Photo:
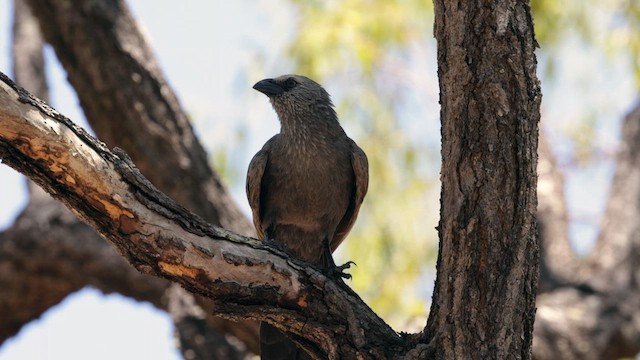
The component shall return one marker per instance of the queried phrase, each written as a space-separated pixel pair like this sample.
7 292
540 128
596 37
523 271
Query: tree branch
48 253
558 262
123 94
26 52
244 277
615 258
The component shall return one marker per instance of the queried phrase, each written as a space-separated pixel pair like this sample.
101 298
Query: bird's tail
274 345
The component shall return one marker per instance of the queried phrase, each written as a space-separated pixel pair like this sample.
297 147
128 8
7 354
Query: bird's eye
290 83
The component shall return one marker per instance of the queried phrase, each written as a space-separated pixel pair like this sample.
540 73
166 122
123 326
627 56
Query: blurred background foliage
611 26
607 28
378 60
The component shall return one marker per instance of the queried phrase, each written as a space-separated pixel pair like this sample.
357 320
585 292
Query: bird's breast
310 187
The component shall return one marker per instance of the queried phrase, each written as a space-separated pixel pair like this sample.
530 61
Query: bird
305 186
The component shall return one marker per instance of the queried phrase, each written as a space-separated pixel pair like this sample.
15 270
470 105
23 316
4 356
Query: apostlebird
305 186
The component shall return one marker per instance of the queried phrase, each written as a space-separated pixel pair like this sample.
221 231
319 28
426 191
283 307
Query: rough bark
597 316
244 277
48 253
484 298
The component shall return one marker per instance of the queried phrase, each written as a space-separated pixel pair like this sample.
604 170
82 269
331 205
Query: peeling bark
42 254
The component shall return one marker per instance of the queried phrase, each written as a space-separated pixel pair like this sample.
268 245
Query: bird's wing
255 173
360 166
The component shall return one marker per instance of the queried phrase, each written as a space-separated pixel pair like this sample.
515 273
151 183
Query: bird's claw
330 268
337 272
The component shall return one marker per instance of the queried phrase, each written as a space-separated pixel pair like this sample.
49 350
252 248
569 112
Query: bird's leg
329 266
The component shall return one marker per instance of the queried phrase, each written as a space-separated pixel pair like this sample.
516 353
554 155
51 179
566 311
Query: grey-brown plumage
306 185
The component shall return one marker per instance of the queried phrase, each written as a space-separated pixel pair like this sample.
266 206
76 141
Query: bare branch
245 278
577 323
42 262
118 116
124 94
48 254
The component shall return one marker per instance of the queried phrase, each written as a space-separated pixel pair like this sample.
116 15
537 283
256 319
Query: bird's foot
337 272
331 270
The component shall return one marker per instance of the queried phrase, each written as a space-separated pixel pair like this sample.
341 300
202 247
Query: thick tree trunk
484 299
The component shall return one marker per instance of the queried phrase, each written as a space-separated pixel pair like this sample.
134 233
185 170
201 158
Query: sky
211 53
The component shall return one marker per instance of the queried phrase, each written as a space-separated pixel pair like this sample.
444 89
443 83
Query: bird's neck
319 124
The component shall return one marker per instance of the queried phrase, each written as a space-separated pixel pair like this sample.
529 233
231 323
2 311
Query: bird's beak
268 87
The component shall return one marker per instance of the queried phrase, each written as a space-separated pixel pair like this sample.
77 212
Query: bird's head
296 97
